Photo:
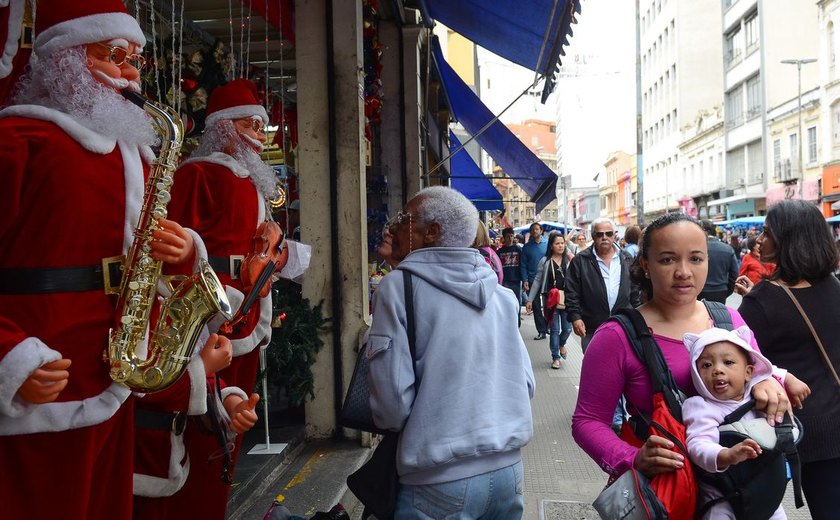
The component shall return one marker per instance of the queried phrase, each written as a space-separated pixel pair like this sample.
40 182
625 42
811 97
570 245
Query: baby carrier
753 488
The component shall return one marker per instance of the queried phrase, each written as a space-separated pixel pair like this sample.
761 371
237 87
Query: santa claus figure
73 160
221 193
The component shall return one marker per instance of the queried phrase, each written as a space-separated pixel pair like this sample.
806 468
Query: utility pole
799 62
640 174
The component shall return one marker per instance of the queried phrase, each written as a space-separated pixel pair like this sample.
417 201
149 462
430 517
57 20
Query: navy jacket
723 267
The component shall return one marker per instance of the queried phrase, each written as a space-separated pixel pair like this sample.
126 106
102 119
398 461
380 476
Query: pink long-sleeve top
610 369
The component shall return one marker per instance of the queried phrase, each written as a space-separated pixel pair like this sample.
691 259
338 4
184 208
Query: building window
751 33
812 145
831 50
835 125
753 97
732 48
777 151
794 148
735 107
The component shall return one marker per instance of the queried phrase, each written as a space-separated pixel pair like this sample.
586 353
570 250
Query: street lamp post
799 62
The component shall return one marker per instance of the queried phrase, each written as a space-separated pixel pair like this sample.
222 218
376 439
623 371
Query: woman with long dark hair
798 240
551 274
671 269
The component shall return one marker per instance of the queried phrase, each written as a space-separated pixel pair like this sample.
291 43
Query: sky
594 103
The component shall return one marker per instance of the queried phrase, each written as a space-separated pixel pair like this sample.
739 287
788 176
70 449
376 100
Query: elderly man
72 159
598 282
464 408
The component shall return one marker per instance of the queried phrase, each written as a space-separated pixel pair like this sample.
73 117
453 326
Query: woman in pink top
671 269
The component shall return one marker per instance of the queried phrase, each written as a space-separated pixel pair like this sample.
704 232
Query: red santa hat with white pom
61 24
236 99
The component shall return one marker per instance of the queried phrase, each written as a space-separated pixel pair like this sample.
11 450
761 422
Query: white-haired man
221 193
472 383
72 158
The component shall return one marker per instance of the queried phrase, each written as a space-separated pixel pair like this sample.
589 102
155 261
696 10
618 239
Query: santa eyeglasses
256 124
119 55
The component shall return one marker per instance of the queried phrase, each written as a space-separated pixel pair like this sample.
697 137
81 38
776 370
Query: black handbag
377 483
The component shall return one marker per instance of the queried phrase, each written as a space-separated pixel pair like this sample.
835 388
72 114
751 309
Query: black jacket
586 295
723 267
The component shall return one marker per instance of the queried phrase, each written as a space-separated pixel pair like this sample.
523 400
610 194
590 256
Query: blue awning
531 33
467 178
518 162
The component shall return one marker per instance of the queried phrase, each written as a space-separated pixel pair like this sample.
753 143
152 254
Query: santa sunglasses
119 55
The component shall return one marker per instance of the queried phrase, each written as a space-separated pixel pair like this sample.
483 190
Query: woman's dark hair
554 235
637 274
631 236
805 247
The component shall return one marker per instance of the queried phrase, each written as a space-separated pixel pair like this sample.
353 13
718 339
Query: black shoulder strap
719 314
738 413
649 353
409 314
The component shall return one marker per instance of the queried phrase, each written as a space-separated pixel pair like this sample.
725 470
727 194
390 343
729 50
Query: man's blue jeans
497 495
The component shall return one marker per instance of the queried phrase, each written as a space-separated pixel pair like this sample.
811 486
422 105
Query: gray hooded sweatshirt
466 409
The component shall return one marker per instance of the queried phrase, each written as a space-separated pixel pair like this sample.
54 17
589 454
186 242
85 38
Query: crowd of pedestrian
468 287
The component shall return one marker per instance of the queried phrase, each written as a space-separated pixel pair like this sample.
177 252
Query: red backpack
676 490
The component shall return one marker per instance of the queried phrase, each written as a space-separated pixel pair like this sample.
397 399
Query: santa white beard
63 82
223 137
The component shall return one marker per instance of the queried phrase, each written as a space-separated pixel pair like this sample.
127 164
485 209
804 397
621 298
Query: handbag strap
813 331
409 315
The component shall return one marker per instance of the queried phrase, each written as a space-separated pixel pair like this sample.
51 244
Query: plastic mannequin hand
45 383
241 412
216 354
172 243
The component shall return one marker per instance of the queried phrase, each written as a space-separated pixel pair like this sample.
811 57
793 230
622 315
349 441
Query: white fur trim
222 159
233 390
135 187
200 249
198 386
147 154
87 138
149 486
260 336
237 112
260 209
69 415
10 47
15 368
88 29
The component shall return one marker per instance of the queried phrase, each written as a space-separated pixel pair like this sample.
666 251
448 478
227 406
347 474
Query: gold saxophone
192 303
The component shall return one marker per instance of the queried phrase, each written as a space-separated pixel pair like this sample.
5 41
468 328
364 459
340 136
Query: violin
269 255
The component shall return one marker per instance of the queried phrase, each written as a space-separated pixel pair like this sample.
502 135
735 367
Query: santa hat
60 25
234 100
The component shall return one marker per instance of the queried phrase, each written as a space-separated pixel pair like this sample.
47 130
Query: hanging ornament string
174 87
155 56
180 56
248 48
230 25
241 42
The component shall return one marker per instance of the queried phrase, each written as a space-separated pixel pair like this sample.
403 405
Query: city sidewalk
561 481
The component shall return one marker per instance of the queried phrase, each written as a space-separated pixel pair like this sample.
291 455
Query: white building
829 24
680 78
757 36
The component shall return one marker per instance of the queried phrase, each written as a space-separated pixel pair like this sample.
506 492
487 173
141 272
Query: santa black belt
45 280
228 265
174 422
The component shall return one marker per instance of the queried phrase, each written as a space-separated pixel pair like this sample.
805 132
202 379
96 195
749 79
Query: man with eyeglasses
598 282
221 192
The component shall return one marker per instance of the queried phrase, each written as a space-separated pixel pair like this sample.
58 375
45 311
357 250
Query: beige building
758 36
680 76
702 164
539 137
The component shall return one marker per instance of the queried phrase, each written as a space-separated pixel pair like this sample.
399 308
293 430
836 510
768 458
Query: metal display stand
267 448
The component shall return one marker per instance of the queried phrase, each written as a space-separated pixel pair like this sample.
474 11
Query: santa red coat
70 198
214 196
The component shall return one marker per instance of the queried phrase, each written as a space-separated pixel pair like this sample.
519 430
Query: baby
724 368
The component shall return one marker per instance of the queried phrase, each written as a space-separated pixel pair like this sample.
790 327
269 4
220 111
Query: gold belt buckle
107 264
235 263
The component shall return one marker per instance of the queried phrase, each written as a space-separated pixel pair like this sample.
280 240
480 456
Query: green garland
294 344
